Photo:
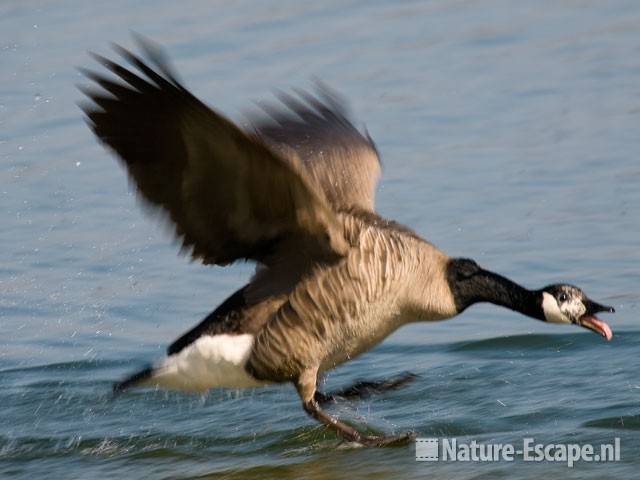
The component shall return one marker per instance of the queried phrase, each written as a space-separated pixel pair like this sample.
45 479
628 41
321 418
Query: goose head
557 303
563 303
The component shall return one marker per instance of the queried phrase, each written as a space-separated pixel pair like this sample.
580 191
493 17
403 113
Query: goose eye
562 297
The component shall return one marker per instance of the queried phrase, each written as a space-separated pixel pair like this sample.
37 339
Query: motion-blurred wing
341 159
229 195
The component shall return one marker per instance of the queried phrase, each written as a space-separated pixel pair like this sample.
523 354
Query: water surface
509 133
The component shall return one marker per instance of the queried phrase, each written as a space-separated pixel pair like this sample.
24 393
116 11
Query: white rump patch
210 361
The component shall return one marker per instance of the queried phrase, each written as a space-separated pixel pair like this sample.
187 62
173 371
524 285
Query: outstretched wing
342 160
228 194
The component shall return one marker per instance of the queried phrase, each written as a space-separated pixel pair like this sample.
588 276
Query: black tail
141 376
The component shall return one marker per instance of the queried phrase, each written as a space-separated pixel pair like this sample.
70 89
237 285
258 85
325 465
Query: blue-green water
509 133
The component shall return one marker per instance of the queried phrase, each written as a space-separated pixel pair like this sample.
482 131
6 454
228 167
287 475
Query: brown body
335 312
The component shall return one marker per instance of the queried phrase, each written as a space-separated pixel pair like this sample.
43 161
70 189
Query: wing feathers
343 161
228 194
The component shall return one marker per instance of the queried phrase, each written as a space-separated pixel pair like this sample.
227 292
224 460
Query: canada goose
295 194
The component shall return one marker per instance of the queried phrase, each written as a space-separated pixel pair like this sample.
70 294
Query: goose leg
306 386
364 389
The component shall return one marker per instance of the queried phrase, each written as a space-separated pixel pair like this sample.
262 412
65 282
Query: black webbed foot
311 399
364 389
350 434
387 440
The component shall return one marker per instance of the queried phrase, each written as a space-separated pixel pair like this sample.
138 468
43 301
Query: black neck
471 284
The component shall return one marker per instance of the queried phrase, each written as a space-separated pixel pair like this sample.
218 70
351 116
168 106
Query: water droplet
37 97
20 147
78 164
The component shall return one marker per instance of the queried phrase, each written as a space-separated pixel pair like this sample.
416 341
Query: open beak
590 321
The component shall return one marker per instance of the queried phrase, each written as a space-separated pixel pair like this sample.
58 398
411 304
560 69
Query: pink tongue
600 326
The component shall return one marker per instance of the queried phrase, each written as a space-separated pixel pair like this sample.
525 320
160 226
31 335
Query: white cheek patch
551 309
